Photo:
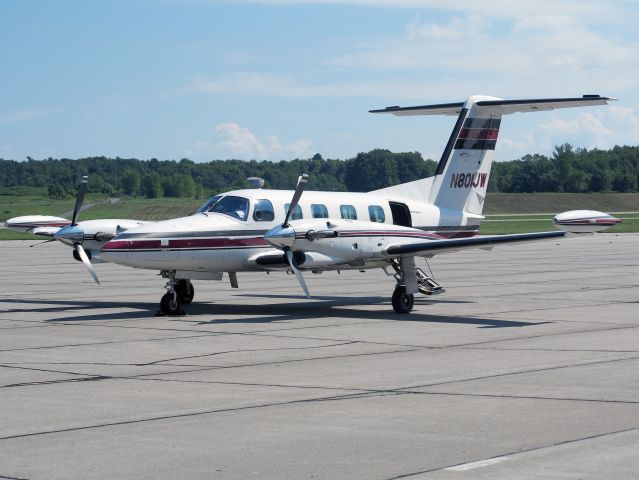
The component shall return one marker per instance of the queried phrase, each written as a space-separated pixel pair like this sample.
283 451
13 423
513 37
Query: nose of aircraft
281 237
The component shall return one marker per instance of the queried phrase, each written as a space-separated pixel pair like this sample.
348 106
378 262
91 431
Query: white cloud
239 142
546 51
602 129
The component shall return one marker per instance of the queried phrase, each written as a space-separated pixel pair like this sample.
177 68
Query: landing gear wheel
77 257
184 293
402 301
170 304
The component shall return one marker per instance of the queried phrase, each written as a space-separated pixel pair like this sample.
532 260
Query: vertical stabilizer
461 178
459 185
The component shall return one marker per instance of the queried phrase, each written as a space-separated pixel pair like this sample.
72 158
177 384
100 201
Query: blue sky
282 79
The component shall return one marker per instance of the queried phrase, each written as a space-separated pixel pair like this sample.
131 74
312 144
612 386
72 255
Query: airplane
86 238
278 230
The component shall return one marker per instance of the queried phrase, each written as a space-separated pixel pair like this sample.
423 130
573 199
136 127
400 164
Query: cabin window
376 213
297 213
348 212
236 207
319 210
212 201
263 211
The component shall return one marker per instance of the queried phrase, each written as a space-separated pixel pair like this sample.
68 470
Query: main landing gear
178 292
409 283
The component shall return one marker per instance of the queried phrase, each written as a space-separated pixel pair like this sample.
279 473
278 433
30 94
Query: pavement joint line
524 397
310 347
89 344
183 415
518 452
4 477
522 372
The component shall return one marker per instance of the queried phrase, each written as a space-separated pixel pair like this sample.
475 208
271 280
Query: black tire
402 301
170 304
77 257
181 290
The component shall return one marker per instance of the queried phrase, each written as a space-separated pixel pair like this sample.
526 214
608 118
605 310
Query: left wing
44 231
432 247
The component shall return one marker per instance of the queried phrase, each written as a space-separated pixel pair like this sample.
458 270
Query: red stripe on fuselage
184 243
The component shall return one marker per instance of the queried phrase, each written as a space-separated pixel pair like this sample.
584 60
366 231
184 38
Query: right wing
431 247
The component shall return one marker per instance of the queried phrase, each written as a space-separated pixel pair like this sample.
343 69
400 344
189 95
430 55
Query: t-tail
459 185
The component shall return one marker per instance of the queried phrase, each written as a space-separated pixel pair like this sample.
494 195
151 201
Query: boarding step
427 285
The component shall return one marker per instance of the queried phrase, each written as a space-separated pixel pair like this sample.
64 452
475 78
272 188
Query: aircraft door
401 214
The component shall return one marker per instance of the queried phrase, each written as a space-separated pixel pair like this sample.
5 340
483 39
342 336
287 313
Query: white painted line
481 463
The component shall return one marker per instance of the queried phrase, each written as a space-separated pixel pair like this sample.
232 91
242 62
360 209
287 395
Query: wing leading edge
436 246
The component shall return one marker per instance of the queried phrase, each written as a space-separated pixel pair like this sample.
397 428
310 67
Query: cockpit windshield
236 207
211 201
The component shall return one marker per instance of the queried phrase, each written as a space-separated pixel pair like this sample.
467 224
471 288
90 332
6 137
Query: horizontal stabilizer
503 107
439 109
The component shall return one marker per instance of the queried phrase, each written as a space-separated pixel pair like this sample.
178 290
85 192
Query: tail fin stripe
479 133
475 144
482 122
441 166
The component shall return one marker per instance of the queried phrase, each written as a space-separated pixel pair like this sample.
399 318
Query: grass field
505 212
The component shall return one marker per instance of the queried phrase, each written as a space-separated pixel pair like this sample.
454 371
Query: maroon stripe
184 243
479 133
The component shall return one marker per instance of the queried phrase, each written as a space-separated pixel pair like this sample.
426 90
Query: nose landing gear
178 292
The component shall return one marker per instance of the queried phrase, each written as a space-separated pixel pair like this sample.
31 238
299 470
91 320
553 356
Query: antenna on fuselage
256 182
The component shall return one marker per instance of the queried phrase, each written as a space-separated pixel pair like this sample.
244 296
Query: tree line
566 170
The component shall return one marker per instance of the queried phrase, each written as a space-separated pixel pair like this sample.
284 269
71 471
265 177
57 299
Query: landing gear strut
403 298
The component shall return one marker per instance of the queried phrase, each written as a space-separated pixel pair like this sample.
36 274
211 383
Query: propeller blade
298 273
299 189
87 263
82 190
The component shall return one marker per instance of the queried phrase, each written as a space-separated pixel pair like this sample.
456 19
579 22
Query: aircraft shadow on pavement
321 306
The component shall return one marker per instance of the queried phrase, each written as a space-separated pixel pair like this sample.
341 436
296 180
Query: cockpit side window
297 213
236 207
212 201
263 211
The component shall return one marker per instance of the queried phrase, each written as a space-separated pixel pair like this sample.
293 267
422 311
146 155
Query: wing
432 247
44 231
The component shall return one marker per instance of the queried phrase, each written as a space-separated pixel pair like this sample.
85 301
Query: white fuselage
234 241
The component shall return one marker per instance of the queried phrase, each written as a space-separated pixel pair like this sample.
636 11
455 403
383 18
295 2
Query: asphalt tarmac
527 367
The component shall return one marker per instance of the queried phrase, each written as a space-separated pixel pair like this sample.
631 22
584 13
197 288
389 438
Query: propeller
300 278
87 263
79 199
283 236
73 234
299 189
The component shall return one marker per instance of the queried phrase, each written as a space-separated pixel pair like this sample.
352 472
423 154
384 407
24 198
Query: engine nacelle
584 221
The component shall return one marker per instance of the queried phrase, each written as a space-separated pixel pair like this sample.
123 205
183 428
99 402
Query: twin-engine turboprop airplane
267 230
